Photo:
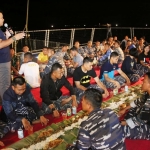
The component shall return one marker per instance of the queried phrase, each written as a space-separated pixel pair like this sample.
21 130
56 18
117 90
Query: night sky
74 13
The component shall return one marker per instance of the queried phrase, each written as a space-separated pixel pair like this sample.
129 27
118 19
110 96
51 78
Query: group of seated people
50 74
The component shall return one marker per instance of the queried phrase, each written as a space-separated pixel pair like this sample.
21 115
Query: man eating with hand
20 107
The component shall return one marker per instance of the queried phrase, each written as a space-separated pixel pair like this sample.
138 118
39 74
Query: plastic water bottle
126 88
20 133
74 110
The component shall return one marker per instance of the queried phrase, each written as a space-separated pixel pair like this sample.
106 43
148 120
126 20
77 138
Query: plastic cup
64 115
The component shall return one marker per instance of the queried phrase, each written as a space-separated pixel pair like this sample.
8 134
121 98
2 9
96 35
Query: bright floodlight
52 26
116 25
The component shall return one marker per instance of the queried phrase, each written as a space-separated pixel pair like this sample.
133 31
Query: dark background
63 14
75 13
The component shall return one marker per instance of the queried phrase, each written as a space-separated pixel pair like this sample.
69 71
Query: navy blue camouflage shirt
102 131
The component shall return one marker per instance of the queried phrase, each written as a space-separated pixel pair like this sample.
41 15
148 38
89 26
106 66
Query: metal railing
37 39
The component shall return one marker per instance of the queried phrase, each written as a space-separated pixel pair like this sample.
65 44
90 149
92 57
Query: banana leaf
67 122
24 143
61 125
55 127
68 138
27 141
75 131
61 146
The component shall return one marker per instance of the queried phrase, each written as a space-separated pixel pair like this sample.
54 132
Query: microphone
9 29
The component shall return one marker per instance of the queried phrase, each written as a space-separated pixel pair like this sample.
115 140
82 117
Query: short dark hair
114 54
87 60
45 47
28 55
94 96
18 81
73 49
108 44
25 45
133 52
118 42
55 67
63 45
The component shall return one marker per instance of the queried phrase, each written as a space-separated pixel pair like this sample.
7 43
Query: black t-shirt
84 78
142 56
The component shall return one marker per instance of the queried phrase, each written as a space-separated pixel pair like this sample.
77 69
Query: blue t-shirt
4 52
108 68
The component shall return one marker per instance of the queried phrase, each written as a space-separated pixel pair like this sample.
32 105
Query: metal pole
92 34
133 31
72 37
45 44
27 15
48 38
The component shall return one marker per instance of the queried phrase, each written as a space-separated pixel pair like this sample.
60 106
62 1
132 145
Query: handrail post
47 44
92 34
133 31
45 38
72 37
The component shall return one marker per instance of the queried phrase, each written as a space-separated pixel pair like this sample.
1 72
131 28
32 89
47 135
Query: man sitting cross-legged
136 123
82 76
102 129
20 107
51 93
107 73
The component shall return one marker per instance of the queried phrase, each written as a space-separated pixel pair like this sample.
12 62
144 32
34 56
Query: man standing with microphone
5 70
